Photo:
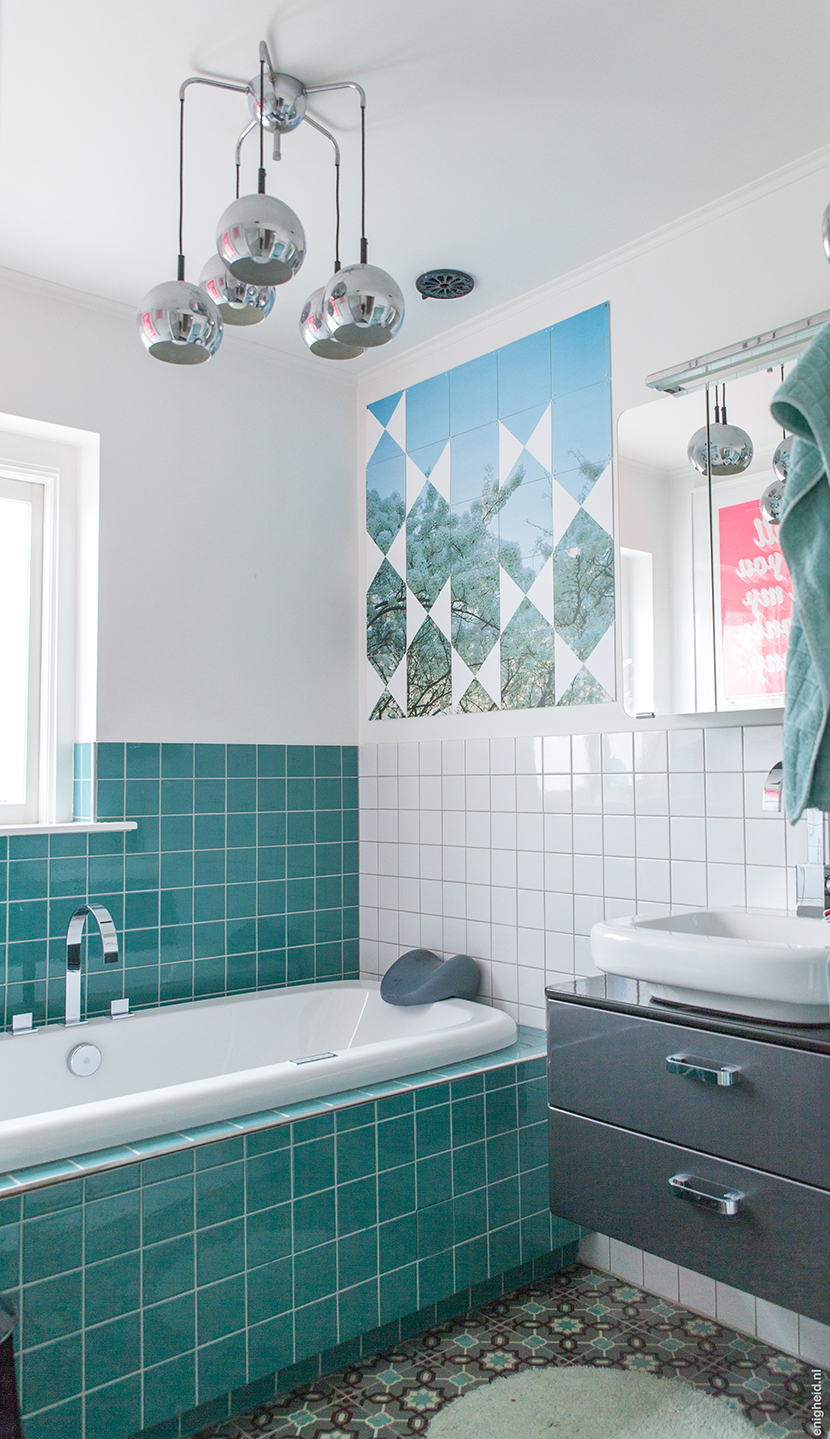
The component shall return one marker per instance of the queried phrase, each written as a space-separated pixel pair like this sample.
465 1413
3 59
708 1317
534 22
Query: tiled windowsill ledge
530 1045
78 826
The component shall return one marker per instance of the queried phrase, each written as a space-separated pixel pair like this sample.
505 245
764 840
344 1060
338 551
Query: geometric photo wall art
490 555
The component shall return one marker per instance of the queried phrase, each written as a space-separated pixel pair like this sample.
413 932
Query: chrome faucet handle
772 788
22 1023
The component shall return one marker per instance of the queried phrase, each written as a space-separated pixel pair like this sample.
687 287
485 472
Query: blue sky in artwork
385 449
427 456
388 477
581 425
530 467
428 412
384 409
579 351
524 373
528 516
473 393
474 459
524 423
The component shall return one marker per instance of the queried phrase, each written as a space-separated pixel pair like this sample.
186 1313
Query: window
21 595
48 614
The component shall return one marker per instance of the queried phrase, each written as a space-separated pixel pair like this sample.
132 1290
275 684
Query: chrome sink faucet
812 880
74 934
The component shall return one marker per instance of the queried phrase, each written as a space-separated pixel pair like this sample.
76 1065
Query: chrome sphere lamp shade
317 337
730 448
238 303
178 322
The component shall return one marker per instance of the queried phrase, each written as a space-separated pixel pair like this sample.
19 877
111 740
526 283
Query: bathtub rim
530 1044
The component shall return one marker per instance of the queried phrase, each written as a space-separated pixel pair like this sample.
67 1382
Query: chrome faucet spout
74 935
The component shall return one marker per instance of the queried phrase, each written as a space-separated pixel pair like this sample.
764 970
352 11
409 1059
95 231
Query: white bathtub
163 1070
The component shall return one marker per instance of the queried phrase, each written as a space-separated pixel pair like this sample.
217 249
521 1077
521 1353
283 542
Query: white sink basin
756 962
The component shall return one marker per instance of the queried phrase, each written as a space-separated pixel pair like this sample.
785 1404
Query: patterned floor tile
579 1316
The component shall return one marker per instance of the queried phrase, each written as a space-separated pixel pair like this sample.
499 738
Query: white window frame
64 462
27 488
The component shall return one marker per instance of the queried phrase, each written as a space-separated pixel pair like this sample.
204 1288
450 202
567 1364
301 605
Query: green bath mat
580 1402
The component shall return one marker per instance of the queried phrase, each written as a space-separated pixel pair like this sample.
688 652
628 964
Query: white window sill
81 826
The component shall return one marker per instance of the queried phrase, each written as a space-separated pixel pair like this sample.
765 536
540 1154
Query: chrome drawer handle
703 1069
708 1195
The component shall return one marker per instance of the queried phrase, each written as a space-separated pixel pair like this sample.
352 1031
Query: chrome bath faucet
74 934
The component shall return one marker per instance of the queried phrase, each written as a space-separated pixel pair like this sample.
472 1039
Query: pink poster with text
756 603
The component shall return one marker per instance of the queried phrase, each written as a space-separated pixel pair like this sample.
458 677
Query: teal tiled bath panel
155 1295
240 875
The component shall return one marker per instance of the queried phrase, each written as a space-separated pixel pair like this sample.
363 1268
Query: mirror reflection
706 594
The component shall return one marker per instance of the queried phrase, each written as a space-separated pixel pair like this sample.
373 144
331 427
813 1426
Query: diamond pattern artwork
489 518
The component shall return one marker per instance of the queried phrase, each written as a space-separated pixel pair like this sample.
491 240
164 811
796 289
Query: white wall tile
455 936
504 980
429 757
688 838
587 793
559 911
387 825
387 791
387 759
588 874
409 930
688 882
529 756
697 1291
620 878
502 755
367 791
558 832
685 749
754 782
504 867
726 884
407 759
764 842
626 1262
652 834
369 825
559 872
650 751
409 796
735 1308
531 869
763 746
777 1326
429 791
478 866
766 887
503 791
559 952
686 794
430 826
660 1277
409 895
530 908
725 795
618 908
583 963
529 789
477 756
503 905
618 753
409 826
478 791
432 897
725 841
503 830
814 1343
618 793
595 1249
557 797
653 881
430 861
588 910
723 749
454 827
479 941
618 835
651 794
387 858
367 759
587 834
453 792
388 925
453 862
531 953
556 754
503 943
586 751
479 829
530 831
388 891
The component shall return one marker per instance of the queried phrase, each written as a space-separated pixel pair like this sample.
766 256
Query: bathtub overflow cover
84 1059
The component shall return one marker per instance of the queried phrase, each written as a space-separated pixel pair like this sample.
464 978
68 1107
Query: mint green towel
802 406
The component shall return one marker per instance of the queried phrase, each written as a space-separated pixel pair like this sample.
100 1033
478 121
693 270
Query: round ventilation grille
444 284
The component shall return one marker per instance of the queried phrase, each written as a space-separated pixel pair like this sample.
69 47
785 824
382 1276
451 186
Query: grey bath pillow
420 977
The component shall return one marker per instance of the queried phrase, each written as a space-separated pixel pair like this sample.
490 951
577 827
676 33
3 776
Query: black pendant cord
783 431
262 127
237 180
364 243
336 215
723 403
180 266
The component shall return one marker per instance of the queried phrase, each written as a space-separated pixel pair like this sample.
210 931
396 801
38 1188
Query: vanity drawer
618 1183
612 1067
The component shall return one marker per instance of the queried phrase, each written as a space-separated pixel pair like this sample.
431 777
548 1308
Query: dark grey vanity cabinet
701 1139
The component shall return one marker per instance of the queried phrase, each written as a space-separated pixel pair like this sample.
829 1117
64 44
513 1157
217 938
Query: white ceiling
516 139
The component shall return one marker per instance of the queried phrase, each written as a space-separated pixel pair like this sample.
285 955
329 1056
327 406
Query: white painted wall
228 523
746 264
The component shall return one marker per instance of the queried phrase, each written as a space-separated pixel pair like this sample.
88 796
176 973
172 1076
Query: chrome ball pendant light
317 337
260 243
825 231
729 448
178 322
261 240
781 458
362 305
238 303
771 501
